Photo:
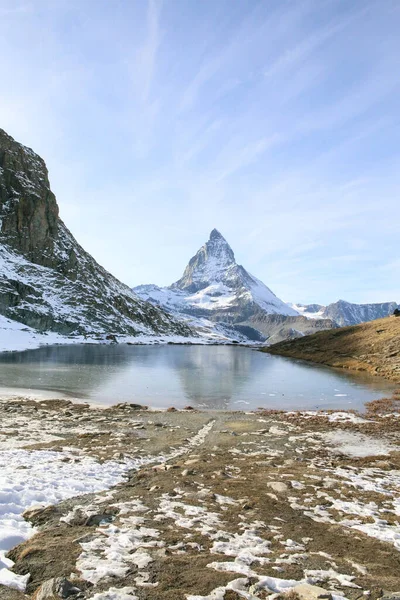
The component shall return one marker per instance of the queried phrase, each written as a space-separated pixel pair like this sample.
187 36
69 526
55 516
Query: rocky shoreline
136 504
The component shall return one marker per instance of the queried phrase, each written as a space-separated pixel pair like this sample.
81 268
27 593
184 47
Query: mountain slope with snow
214 291
346 313
47 280
214 281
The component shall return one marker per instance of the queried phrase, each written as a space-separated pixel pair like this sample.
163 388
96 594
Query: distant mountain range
215 294
47 280
345 313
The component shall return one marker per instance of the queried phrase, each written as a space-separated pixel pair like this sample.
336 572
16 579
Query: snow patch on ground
357 445
125 593
53 477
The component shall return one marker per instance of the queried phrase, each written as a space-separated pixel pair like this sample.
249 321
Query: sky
277 122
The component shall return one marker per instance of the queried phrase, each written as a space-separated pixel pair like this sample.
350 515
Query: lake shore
371 347
197 505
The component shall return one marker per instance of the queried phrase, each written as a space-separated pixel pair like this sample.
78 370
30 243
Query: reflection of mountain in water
216 377
83 354
211 379
74 369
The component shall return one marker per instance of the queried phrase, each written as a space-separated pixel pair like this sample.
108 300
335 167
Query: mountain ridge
47 280
347 313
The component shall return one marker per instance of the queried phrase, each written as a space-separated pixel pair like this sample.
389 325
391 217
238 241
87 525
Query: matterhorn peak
209 264
216 235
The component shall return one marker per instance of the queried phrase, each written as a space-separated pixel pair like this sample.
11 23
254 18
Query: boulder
306 591
278 486
58 587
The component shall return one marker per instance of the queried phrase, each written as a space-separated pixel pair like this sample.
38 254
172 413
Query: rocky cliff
47 280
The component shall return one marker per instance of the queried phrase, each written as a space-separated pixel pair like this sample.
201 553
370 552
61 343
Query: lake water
208 377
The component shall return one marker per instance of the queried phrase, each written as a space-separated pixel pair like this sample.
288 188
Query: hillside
372 347
47 280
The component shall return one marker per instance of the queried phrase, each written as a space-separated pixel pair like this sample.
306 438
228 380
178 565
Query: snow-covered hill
346 313
47 280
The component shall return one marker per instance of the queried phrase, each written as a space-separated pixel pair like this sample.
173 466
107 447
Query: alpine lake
203 377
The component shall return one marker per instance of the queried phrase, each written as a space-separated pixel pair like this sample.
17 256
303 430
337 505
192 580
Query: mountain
215 292
213 279
372 347
345 313
47 280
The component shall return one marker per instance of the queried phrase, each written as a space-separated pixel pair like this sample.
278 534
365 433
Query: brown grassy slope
372 347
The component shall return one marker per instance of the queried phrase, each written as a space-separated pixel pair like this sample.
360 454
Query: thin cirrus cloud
277 123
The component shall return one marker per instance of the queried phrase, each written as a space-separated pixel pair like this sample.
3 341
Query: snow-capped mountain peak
213 286
209 265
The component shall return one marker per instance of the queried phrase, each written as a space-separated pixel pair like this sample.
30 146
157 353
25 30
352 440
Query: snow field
43 477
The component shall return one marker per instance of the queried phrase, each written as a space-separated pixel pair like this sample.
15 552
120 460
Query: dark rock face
28 208
47 280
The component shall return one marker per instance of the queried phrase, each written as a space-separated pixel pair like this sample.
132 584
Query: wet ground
222 505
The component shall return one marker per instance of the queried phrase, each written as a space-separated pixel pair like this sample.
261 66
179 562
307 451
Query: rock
95 520
112 338
306 591
391 596
58 587
37 515
131 406
278 486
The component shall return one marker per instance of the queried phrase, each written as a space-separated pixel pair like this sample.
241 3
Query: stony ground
214 506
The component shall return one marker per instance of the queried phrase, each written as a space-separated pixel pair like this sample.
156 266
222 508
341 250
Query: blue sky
275 121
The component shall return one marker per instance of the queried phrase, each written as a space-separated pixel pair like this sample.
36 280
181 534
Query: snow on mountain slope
346 313
47 280
311 311
213 285
213 280
215 289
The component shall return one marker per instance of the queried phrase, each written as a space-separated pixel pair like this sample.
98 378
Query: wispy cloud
147 54
276 122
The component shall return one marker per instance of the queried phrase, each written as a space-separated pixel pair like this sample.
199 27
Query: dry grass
291 595
372 347
383 406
